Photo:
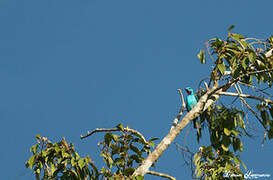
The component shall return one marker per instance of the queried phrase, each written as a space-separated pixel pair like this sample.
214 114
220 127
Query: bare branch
182 109
255 114
190 155
257 89
127 129
245 96
161 175
182 98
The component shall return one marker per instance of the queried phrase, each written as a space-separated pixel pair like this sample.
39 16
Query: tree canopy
236 90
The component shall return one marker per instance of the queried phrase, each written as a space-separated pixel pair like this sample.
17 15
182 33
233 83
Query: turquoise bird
191 101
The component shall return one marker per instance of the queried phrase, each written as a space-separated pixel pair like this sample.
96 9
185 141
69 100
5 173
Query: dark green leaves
237 144
222 68
122 150
213 164
265 117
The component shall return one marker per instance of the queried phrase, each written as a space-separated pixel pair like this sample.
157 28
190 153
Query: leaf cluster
235 60
239 58
121 152
59 161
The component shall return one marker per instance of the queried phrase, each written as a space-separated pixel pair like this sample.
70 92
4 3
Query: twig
255 114
161 175
206 85
239 90
190 157
229 84
265 133
127 129
245 96
182 109
257 89
182 98
211 57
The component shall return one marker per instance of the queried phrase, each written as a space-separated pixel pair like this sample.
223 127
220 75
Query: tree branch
127 129
161 175
182 109
204 102
245 96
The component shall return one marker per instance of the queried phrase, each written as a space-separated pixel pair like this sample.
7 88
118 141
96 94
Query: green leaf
108 138
151 143
237 37
227 131
225 142
129 171
236 133
201 56
115 137
224 147
270 133
244 44
153 139
34 148
38 136
251 57
244 63
120 127
135 149
139 177
222 68
242 164
265 117
196 158
136 158
81 163
119 161
230 28
31 162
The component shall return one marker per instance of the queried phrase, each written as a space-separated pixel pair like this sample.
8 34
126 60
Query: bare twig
255 114
206 85
211 57
182 98
182 109
127 129
257 89
161 175
190 155
245 96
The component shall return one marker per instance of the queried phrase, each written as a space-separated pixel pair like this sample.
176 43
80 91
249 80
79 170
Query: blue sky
69 66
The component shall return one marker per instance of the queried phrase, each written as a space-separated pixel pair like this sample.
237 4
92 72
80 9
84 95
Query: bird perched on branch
191 101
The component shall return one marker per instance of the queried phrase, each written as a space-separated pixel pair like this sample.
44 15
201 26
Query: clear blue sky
68 66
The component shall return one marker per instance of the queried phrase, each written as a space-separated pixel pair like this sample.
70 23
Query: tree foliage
242 71
240 63
120 153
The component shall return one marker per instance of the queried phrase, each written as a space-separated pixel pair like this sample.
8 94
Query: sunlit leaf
227 131
201 56
120 127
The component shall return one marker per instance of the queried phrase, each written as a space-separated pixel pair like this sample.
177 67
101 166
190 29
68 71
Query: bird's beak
187 90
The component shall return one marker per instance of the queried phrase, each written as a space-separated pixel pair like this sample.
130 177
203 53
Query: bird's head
189 90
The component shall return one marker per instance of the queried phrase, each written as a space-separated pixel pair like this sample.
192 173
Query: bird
191 101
